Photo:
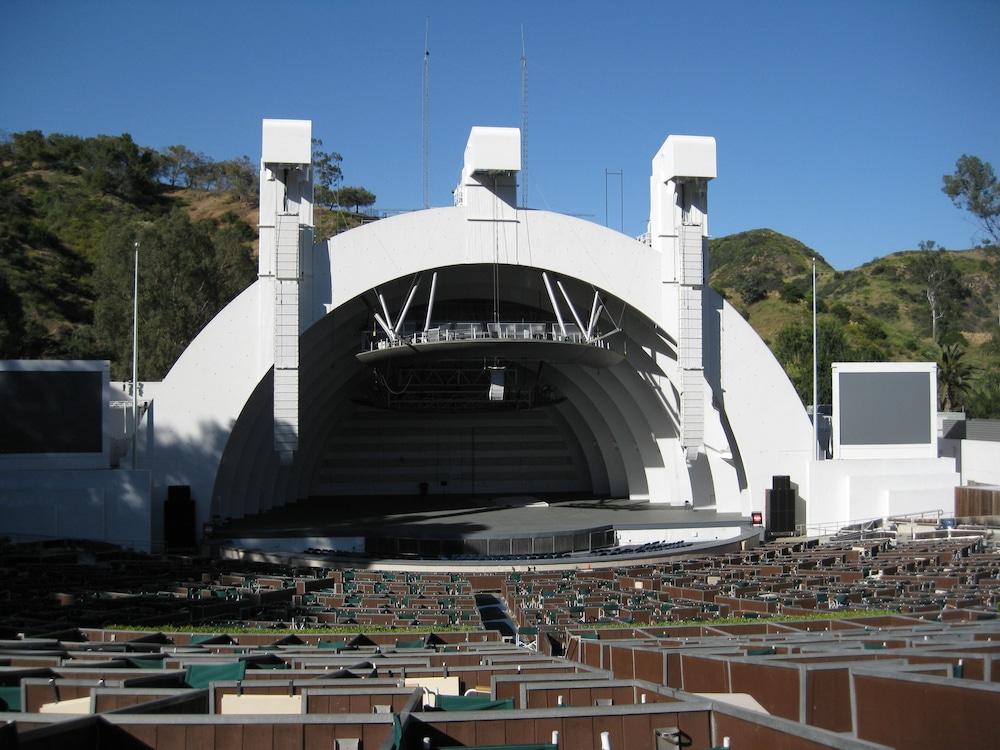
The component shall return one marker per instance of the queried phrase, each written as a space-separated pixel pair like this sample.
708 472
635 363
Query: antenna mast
425 132
524 123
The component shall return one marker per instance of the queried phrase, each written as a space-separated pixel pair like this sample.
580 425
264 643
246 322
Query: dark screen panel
51 412
885 408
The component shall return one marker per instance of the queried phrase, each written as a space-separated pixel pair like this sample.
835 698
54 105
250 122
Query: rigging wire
496 257
386 385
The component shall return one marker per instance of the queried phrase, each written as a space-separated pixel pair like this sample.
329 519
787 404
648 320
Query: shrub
751 287
840 312
791 293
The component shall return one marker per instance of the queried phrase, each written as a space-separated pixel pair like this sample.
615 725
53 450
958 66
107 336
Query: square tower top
685 156
287 142
493 150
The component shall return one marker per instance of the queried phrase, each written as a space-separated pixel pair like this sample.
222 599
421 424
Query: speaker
180 492
178 517
781 510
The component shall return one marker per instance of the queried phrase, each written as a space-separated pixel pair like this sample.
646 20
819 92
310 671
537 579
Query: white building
644 383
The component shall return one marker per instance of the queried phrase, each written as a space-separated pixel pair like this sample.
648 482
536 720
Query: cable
386 385
496 258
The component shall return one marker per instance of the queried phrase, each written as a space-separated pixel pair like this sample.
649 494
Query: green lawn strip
831 615
233 629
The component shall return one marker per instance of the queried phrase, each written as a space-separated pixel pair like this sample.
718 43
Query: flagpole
135 358
815 450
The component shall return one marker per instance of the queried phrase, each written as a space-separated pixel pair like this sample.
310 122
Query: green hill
70 209
876 312
881 294
780 259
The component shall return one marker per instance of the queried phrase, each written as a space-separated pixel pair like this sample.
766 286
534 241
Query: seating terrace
793 644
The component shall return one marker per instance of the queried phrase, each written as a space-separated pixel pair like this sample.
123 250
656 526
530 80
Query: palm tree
954 376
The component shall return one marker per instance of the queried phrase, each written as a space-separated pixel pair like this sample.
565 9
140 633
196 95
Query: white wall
207 389
856 489
108 505
694 534
200 400
980 462
300 543
773 433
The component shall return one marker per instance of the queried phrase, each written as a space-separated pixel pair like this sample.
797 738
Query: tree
234 265
935 271
354 196
793 349
28 148
792 293
974 188
177 161
11 321
239 177
751 287
954 377
327 174
326 165
983 399
117 166
187 272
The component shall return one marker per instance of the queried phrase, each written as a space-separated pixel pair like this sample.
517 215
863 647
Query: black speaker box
781 510
179 517
781 482
179 492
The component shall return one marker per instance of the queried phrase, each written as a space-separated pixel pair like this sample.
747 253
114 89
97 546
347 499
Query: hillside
879 294
878 311
71 208
779 259
204 204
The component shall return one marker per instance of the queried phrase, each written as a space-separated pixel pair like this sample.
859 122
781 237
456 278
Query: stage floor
470 518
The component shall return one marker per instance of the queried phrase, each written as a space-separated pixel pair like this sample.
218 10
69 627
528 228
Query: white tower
488 191
286 238
678 228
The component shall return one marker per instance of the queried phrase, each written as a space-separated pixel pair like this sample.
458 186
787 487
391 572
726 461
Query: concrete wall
696 535
772 434
200 400
856 489
980 462
107 505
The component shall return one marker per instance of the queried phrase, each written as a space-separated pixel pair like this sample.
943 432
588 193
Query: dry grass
202 204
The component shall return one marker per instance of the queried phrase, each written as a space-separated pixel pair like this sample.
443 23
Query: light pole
135 359
815 450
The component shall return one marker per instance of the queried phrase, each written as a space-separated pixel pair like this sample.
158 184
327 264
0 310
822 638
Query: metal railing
867 524
492 331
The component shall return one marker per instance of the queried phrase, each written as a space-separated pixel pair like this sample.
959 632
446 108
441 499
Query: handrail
832 527
490 331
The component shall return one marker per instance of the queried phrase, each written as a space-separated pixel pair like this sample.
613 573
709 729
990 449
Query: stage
475 527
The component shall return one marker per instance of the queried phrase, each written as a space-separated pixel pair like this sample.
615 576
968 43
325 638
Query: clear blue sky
834 121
